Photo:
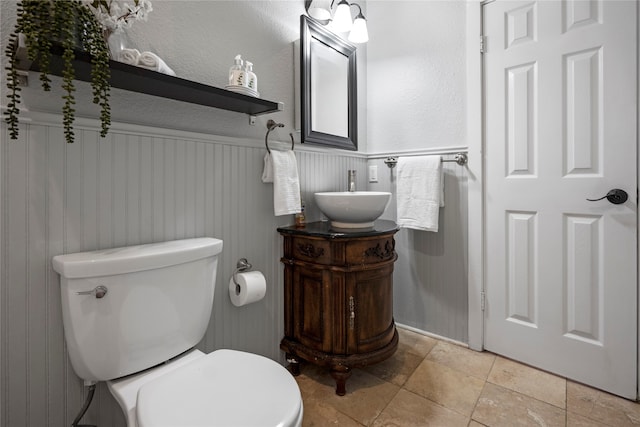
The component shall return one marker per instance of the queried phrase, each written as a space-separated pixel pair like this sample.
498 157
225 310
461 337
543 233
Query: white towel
153 62
267 171
281 168
129 56
419 194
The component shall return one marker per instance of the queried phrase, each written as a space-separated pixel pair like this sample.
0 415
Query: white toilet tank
157 304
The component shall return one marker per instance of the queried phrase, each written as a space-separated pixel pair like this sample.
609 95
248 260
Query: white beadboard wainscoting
430 279
137 185
143 184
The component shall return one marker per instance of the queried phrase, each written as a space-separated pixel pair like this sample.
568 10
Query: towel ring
271 125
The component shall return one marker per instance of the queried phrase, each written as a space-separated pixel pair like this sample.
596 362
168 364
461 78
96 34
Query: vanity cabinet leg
341 374
294 364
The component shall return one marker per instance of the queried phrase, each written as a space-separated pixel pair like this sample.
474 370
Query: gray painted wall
430 276
416 71
416 105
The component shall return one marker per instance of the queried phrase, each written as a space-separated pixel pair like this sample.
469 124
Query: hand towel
267 171
419 192
281 168
153 62
129 56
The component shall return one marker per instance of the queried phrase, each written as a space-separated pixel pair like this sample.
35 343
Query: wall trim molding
431 335
92 124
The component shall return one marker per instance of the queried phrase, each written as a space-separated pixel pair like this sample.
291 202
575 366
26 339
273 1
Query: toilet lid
224 388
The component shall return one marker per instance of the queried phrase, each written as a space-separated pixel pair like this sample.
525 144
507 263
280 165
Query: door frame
476 165
638 181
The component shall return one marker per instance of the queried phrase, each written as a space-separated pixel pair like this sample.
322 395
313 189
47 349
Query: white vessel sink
352 209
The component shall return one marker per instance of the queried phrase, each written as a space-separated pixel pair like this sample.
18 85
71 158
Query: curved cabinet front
339 299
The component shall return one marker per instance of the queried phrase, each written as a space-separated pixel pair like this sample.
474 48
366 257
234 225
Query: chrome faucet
352 180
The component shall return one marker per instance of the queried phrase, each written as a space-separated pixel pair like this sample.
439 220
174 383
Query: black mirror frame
310 29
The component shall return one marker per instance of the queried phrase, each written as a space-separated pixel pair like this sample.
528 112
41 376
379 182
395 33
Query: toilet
132 317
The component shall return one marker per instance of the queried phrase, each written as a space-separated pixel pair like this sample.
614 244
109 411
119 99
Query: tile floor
434 383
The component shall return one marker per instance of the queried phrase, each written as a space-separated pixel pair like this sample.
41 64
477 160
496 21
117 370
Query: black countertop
324 229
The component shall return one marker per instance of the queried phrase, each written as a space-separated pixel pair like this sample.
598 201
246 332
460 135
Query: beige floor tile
575 420
412 348
529 381
398 368
366 395
445 386
315 372
317 413
470 362
309 382
320 414
410 410
602 407
498 407
415 343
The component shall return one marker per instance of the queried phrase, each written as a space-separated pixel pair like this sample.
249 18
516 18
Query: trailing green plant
71 24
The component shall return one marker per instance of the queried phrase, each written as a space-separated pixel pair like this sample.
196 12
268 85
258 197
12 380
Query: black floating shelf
142 80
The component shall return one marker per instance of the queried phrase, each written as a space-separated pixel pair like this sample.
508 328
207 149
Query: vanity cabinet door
370 309
312 307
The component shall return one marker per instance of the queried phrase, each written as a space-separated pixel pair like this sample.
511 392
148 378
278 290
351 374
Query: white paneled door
560 128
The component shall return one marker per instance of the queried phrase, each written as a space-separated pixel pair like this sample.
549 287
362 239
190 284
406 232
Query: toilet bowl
132 317
224 388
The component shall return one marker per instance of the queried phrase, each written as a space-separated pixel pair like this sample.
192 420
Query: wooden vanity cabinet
339 297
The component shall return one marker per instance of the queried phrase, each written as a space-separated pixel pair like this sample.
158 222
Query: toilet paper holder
241 266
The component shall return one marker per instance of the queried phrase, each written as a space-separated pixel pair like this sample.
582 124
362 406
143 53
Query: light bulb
359 33
320 10
342 18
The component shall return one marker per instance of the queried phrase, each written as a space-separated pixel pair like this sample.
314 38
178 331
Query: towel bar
271 125
459 158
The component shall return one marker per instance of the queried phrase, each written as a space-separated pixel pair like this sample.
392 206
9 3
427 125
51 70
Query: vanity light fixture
341 21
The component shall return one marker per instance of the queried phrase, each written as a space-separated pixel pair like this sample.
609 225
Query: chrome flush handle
99 292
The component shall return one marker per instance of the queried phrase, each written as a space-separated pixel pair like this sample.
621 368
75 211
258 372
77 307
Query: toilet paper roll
252 287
